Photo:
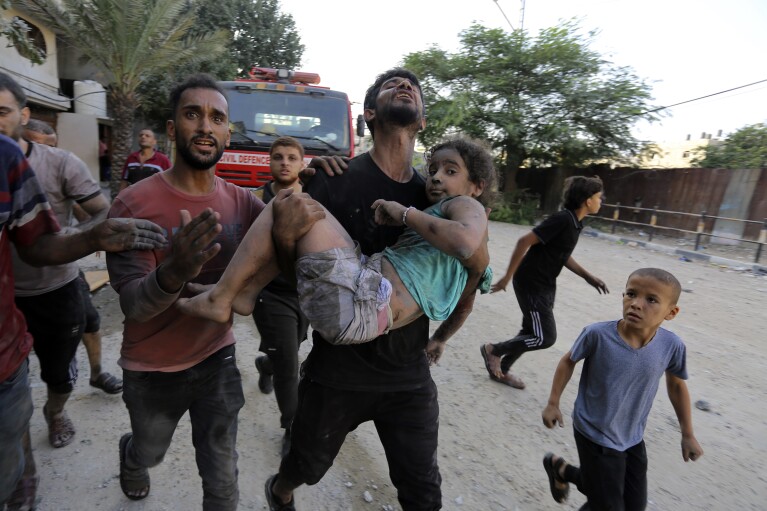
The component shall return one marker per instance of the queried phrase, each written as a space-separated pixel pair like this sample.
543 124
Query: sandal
552 470
486 357
135 484
108 383
24 497
61 431
510 380
272 501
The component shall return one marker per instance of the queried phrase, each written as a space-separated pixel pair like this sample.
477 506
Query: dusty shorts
344 295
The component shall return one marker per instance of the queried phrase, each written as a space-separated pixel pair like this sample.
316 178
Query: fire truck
271 103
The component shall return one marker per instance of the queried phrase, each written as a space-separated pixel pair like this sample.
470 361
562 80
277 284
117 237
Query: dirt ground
491 436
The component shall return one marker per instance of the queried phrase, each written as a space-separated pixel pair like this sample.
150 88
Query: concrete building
60 91
677 154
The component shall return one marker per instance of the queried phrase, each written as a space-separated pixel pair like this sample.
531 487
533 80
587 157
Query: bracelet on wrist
404 215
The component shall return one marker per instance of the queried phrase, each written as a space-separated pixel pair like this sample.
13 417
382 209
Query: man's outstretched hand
118 234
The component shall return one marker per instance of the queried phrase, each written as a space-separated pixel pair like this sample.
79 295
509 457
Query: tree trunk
123 108
513 161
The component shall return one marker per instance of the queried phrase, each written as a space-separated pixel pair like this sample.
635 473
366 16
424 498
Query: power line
504 14
699 98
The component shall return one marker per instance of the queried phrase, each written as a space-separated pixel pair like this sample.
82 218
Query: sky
683 49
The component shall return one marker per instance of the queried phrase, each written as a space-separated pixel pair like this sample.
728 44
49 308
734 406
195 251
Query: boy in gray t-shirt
623 363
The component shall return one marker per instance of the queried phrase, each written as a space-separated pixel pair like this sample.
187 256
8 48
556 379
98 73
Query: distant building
61 91
677 154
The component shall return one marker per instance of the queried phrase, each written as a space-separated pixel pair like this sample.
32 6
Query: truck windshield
258 116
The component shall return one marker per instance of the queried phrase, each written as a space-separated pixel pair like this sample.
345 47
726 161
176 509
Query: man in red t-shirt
145 162
173 363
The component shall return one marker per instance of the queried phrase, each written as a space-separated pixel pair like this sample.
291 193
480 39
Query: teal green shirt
434 279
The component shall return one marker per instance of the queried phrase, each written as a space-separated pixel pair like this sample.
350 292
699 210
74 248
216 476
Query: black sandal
108 383
552 470
132 481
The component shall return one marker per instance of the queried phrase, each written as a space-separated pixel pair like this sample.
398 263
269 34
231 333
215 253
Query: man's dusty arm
112 235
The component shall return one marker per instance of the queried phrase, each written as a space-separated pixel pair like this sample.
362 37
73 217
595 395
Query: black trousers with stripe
539 330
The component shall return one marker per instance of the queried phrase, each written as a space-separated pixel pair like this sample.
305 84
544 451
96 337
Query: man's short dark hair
39 127
195 81
578 189
373 90
12 86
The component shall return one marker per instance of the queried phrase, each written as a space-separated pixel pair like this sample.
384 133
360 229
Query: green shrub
517 207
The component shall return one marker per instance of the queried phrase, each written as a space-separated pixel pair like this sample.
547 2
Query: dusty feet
61 431
492 363
511 380
205 305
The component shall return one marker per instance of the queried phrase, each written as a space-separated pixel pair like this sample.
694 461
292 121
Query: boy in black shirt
534 267
281 324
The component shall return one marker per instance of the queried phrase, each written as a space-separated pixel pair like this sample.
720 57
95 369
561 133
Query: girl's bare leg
254 265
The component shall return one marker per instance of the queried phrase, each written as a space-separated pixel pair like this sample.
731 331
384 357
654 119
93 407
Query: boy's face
594 203
647 302
285 163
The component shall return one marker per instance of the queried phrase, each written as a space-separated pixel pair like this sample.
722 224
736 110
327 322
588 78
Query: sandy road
491 436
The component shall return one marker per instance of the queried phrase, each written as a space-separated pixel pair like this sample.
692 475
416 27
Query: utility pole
521 15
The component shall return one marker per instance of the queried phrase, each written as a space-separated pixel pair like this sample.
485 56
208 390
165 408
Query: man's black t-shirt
540 267
395 361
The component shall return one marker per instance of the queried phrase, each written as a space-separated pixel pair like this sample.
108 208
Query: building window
686 154
36 40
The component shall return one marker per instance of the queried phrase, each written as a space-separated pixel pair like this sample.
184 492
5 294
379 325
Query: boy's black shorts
56 321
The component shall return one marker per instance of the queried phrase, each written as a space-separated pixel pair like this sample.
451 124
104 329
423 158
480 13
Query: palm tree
127 40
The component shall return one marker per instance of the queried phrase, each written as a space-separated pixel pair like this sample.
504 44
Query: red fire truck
276 102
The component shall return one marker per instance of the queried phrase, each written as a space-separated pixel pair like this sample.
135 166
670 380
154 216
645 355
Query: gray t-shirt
618 383
66 180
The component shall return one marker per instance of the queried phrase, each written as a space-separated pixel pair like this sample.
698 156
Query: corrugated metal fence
728 193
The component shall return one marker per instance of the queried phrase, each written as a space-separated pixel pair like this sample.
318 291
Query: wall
685 190
79 133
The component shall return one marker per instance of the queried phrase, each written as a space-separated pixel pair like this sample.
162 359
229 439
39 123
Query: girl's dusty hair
478 159
578 189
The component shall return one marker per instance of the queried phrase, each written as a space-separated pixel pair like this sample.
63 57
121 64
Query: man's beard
400 115
196 161
285 181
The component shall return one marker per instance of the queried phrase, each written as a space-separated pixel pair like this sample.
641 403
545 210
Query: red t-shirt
170 340
134 171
